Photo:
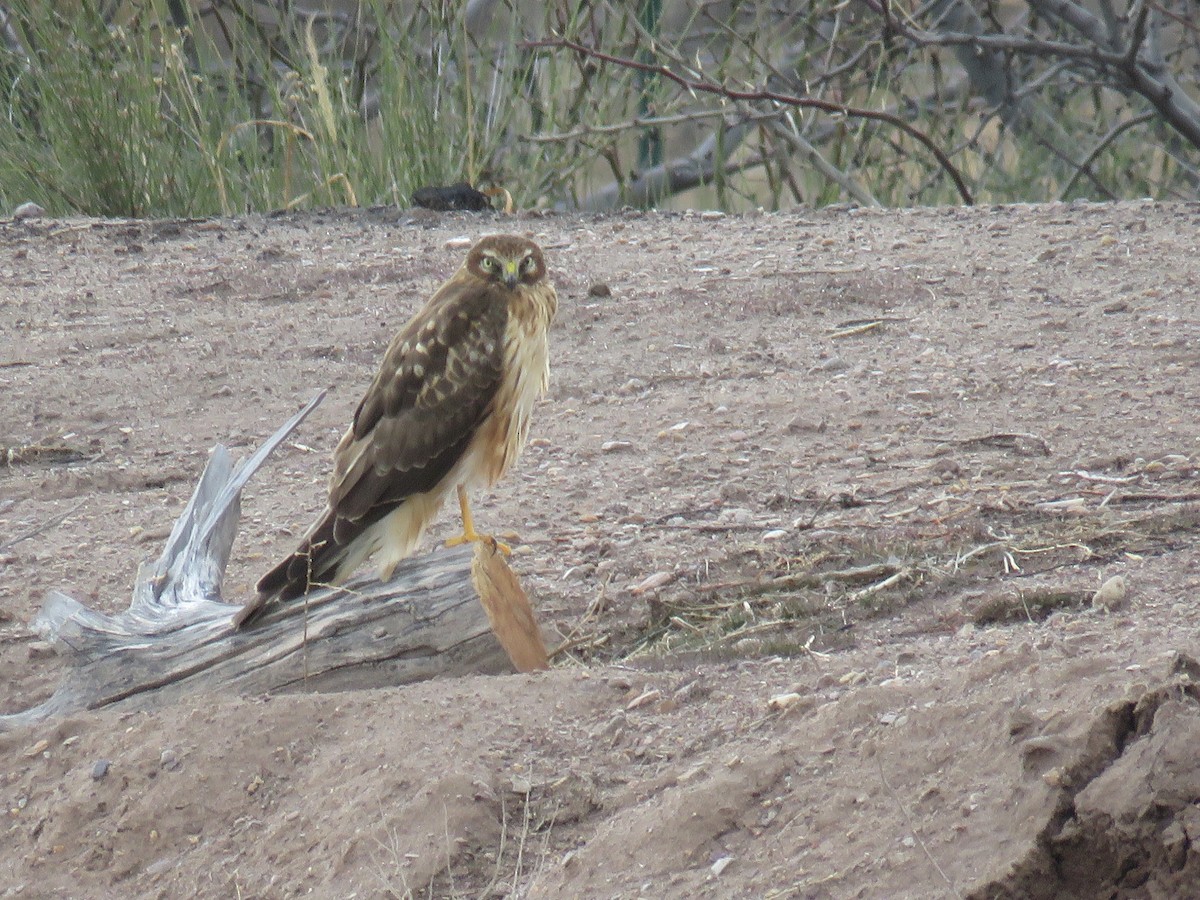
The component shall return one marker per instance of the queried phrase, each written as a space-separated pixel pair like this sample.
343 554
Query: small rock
946 469
169 760
461 242
28 210
100 769
735 515
40 649
775 534
643 699
721 865
801 425
612 446
652 582
599 289
732 492
1111 594
833 364
782 701
37 749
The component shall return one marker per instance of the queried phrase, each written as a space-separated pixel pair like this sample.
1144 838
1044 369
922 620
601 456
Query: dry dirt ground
818 503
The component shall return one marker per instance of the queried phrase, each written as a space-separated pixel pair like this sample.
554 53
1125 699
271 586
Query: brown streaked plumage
449 409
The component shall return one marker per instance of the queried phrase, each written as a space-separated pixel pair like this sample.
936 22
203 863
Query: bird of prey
448 410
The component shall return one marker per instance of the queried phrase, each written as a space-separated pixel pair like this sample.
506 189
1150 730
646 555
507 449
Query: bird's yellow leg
469 534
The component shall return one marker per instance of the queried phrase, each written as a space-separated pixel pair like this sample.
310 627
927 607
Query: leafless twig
700 85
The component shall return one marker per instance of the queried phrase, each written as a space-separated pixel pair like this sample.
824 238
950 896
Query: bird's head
507 259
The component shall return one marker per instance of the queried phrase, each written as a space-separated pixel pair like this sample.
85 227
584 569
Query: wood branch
700 85
452 612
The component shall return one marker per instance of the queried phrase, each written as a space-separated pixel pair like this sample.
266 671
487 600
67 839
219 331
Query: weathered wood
435 617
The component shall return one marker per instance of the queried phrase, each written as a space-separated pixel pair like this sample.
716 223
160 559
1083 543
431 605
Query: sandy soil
818 503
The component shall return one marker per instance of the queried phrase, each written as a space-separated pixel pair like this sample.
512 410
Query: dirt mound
818 506
1129 806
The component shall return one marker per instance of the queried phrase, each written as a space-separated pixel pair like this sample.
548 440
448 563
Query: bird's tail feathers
319 561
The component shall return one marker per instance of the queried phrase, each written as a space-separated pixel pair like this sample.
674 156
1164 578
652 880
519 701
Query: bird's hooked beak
511 276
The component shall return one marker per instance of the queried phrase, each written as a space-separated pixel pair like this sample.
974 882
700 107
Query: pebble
100 769
721 865
644 698
612 446
40 649
461 242
651 582
1111 594
169 760
775 534
37 749
711 215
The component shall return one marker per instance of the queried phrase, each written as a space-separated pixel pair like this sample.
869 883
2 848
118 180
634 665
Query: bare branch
1100 147
708 87
822 165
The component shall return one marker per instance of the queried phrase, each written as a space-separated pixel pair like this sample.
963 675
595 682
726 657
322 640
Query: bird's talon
459 539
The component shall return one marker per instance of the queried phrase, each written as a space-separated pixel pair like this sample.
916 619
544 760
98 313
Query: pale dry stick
800 273
1189 497
1069 505
1008 440
524 837
912 828
1103 479
686 626
747 631
799 580
45 526
857 329
1010 562
888 582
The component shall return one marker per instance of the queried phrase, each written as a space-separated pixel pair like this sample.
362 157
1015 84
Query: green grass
144 119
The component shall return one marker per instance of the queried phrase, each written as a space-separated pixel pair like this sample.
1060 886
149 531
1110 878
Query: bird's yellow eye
488 264
528 265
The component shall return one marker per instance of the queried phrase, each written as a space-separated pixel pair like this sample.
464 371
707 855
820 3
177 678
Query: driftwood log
452 612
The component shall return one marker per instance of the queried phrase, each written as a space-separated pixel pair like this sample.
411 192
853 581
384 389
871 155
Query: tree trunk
452 612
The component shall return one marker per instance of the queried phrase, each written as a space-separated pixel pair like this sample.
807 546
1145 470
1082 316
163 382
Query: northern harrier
449 409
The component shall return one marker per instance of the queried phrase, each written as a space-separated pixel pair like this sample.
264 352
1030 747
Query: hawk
448 410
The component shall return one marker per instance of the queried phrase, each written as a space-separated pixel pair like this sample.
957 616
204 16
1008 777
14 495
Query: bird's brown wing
433 390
